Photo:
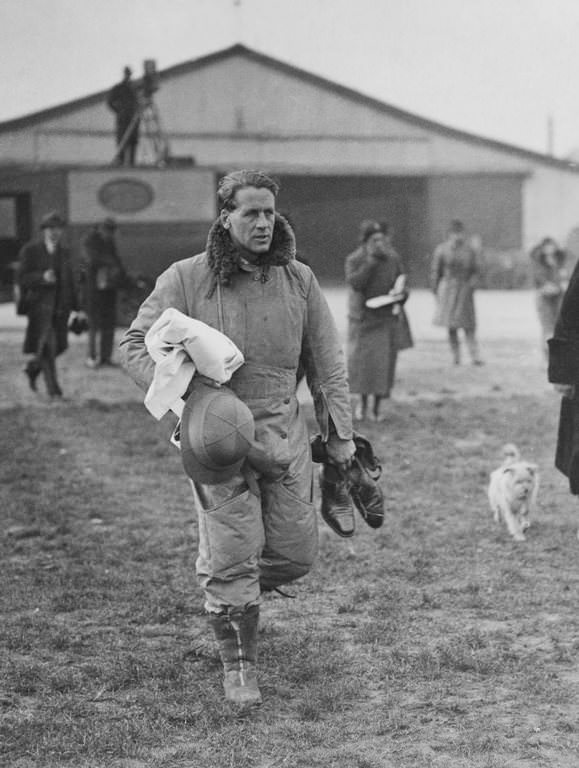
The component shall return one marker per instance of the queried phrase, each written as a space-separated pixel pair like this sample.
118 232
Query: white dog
513 490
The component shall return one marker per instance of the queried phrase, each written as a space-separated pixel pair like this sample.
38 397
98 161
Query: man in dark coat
46 281
102 274
123 100
564 373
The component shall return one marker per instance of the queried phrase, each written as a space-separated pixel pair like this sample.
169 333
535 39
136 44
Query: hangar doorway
326 212
15 230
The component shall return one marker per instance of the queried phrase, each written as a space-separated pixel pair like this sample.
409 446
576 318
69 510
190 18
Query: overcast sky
498 68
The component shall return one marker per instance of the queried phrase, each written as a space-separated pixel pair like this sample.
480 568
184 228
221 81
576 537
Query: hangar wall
551 203
490 205
326 212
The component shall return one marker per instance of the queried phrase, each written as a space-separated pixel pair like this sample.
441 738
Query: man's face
377 244
456 238
251 223
53 235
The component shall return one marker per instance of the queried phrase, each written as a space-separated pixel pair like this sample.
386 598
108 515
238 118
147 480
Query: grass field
433 642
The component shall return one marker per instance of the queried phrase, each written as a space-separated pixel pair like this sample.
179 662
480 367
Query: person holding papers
377 291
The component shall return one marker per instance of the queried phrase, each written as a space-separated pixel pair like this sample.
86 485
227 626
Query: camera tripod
148 116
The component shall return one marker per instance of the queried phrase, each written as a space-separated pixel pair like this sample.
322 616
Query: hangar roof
411 119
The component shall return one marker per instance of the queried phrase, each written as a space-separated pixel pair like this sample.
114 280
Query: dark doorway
15 230
326 212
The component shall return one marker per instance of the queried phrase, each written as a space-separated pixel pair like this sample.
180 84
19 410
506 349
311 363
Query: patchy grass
435 642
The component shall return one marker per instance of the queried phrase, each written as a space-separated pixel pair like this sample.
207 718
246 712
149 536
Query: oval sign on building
125 195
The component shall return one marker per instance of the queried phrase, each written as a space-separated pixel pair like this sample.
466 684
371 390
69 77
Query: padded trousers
255 539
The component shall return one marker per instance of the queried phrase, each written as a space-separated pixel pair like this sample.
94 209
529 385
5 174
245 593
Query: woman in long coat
455 275
373 334
550 279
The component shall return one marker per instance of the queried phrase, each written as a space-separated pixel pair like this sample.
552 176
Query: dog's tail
510 454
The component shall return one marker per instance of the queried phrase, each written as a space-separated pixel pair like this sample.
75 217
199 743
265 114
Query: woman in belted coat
46 281
455 275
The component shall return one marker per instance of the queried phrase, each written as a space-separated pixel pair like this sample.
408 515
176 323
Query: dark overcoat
100 255
49 304
564 369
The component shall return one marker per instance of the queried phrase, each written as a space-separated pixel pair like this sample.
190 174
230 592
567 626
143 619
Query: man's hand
49 276
340 452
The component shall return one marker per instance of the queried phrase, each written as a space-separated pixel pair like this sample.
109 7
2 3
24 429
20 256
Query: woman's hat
217 431
370 227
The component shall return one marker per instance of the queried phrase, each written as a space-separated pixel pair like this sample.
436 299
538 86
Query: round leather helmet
217 430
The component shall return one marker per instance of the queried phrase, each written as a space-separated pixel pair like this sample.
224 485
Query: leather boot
236 633
365 491
337 510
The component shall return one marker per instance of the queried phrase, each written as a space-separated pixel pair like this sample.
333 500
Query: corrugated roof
321 82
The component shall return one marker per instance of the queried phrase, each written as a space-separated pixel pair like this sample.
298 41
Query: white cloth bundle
181 346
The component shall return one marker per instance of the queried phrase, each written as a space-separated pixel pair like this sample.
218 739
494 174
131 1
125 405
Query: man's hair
230 184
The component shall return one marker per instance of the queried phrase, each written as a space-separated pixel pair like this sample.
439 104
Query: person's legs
376 415
361 408
32 369
48 365
107 325
290 524
92 340
472 345
454 345
231 539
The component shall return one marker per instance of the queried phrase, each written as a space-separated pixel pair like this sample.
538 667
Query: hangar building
340 156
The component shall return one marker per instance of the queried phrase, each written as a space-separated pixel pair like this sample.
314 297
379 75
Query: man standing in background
102 274
123 100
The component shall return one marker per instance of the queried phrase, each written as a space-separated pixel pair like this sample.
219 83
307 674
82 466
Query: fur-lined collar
224 257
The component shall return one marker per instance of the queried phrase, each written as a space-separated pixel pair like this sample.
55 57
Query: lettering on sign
126 195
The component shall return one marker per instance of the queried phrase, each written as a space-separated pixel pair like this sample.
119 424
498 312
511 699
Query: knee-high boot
236 633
